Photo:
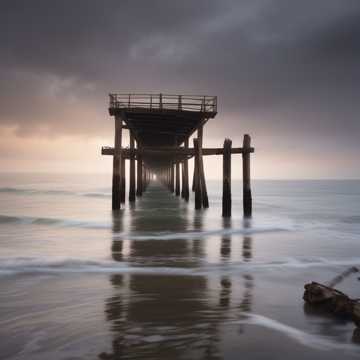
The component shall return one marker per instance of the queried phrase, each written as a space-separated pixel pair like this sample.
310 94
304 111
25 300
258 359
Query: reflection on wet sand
246 303
171 316
117 227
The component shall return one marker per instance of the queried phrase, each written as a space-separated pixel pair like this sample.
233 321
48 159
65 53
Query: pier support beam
123 181
139 189
177 179
197 185
132 190
226 197
205 200
116 180
194 174
185 178
172 187
247 199
182 179
143 177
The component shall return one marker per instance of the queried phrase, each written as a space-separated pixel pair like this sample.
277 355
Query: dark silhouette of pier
161 126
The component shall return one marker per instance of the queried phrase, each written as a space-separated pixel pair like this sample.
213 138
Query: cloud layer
288 72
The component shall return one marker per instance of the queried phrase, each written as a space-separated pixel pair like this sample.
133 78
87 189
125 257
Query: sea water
159 280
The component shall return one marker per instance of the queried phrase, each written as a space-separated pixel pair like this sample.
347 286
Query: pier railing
198 103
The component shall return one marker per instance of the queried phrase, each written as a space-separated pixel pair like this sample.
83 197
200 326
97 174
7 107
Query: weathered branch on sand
333 301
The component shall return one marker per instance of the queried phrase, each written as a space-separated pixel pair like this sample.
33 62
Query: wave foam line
27 191
74 265
200 234
78 265
310 340
29 220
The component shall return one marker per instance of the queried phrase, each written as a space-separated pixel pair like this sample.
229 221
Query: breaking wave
18 265
162 235
29 220
26 191
166 235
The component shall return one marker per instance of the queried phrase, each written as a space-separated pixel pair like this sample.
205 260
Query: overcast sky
286 72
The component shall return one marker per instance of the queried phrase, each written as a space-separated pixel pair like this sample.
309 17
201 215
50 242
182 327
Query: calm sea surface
161 281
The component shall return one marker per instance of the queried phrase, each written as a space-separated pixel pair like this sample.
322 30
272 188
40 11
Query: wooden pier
161 126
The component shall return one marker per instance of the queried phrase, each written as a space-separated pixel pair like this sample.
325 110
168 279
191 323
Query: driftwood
333 301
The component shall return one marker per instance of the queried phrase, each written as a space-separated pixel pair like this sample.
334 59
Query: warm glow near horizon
77 154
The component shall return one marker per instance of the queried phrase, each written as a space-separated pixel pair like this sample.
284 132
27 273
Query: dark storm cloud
275 64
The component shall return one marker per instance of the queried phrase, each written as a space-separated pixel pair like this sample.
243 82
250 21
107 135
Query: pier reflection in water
177 308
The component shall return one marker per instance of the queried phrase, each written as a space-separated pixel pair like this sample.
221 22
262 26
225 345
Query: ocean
159 280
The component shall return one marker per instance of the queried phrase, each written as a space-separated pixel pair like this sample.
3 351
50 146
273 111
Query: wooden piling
172 186
116 180
194 175
143 177
123 181
177 179
185 183
168 178
139 189
226 197
182 179
205 200
247 199
197 185
132 190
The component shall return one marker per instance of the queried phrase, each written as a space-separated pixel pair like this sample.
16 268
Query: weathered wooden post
139 189
123 181
132 196
116 180
168 178
177 178
201 171
226 197
194 174
247 199
147 177
182 179
172 186
185 183
143 177
198 192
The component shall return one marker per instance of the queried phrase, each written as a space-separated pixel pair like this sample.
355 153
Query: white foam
310 340
18 265
29 220
50 265
34 191
200 234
